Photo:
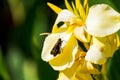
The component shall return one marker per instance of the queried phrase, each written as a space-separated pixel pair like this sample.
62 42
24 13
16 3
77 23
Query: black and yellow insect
57 48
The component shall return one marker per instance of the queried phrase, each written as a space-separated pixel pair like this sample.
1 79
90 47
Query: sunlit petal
62 76
102 48
102 20
64 16
69 73
61 29
67 56
95 55
54 8
49 43
80 8
68 6
88 68
80 33
82 76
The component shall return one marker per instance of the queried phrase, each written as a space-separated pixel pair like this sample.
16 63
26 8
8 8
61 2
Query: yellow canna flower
99 21
96 27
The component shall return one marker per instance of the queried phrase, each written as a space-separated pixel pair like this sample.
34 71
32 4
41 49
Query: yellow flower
96 27
99 21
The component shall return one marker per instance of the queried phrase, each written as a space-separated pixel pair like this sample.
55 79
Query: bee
57 48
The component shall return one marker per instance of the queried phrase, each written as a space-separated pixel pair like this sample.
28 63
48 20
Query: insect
57 48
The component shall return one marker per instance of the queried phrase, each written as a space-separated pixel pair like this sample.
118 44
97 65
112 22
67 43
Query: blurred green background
21 22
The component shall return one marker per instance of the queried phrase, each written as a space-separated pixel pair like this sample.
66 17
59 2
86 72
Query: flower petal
64 16
102 48
83 76
49 43
62 76
69 73
54 8
95 55
68 6
80 33
67 56
88 68
102 20
107 45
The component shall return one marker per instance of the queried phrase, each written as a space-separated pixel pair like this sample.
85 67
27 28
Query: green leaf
113 67
117 4
3 71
